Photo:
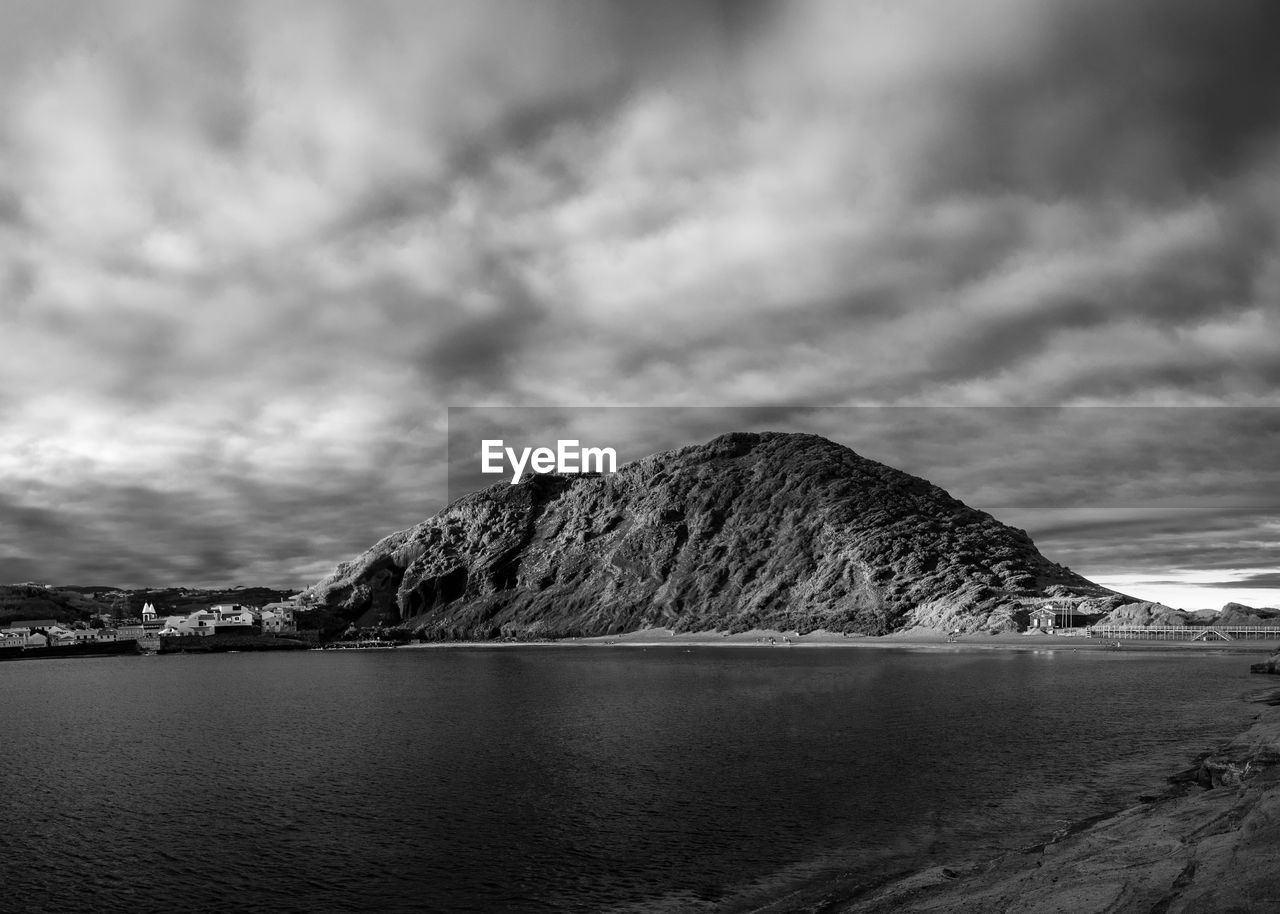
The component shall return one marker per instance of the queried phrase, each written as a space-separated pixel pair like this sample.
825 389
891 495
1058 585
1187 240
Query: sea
569 778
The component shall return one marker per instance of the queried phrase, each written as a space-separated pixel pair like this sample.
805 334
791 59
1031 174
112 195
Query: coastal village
272 619
274 626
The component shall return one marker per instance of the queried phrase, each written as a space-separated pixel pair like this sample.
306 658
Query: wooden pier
1187 632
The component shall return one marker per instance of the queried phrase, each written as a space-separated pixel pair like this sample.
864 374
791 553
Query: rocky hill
1160 616
780 531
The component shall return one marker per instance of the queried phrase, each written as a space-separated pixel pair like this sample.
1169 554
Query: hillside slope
782 531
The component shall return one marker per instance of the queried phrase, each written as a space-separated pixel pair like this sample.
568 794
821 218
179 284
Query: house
147 634
203 623
36 639
235 615
277 618
1042 619
59 635
200 622
10 638
32 625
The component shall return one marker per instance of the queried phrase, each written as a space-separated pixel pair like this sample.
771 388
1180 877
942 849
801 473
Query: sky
251 253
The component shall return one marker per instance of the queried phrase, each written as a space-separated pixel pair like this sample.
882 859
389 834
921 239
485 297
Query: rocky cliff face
770 530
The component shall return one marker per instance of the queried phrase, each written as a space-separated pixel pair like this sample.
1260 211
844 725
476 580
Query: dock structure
1187 632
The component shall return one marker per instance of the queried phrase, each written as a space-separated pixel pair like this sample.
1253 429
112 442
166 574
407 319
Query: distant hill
78 602
35 601
781 531
179 600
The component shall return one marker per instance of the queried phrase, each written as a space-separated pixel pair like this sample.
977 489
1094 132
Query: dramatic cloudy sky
251 252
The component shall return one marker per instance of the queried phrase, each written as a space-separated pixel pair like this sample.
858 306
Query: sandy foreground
1194 851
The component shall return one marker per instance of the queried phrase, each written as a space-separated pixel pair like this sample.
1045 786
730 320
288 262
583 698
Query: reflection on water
565 779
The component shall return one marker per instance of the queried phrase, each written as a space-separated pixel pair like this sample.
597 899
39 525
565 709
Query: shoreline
1206 843
916 639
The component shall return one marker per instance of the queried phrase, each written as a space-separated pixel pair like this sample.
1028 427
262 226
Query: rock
1147 614
1189 852
1239 614
1271 665
779 531
1157 614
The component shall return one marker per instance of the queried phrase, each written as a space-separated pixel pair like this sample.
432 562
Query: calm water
564 779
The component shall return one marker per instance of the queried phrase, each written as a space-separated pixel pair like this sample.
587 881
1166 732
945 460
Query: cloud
251 250
1152 100
1270 580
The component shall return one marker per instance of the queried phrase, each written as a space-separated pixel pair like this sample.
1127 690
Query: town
272 619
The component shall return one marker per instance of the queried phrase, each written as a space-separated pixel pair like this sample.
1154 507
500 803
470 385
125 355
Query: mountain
780 531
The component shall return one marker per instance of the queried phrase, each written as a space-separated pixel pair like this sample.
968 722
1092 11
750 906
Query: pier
364 644
1187 632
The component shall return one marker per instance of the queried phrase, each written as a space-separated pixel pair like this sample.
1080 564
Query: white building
27 626
59 635
147 634
278 618
235 615
200 622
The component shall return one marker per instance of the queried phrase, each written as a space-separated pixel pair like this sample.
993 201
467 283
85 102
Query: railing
1188 632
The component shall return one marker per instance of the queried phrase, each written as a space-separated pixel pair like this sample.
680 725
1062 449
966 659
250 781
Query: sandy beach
1194 850
921 639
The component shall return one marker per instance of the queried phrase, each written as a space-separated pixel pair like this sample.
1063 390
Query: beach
923 639
1194 850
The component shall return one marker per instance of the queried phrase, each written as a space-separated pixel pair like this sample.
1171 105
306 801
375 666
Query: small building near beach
1042 619
31 625
234 614
277 618
146 634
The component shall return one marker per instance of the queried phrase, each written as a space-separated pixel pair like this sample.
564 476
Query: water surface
566 778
